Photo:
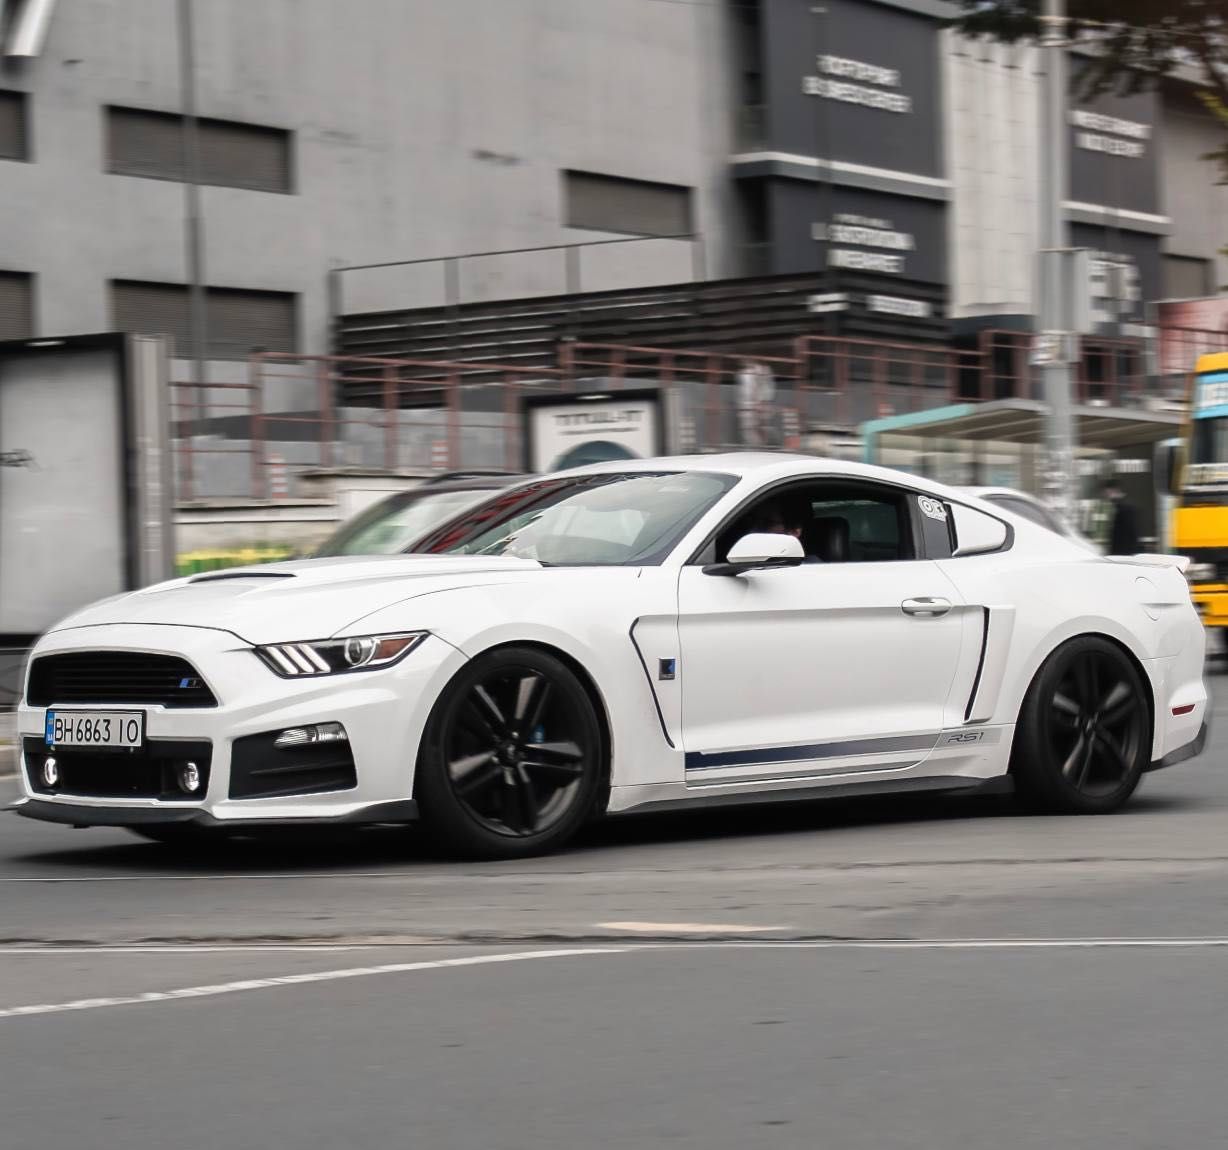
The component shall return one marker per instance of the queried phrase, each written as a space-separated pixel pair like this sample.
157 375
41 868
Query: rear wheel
511 761
1084 734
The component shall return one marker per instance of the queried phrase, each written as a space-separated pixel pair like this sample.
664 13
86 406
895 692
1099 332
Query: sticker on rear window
931 507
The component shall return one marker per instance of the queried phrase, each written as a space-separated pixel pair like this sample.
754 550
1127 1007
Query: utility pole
1054 318
194 223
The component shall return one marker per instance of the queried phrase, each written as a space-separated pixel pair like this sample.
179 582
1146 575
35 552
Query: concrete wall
422 128
1199 208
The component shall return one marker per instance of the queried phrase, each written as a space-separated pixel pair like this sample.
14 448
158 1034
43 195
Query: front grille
259 770
100 677
152 772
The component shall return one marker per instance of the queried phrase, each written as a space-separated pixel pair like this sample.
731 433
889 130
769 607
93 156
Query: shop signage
864 243
1096 132
856 82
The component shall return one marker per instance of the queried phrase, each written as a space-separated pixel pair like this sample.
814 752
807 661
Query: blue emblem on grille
188 684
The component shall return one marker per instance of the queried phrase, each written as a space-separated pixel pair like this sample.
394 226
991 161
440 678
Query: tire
512 760
1084 732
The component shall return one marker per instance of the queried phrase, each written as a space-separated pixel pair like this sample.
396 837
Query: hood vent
218 576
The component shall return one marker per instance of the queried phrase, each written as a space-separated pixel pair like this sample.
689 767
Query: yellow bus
1200 483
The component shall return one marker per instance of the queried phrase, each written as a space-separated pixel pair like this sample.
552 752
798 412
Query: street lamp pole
1054 308
194 223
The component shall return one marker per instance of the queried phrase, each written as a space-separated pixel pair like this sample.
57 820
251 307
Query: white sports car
624 637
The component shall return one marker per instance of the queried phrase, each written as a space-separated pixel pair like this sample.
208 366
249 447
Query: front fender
587 616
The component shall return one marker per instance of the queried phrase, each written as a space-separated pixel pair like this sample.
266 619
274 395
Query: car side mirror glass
977 533
758 551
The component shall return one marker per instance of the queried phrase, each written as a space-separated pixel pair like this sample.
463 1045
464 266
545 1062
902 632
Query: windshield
621 519
398 522
1209 440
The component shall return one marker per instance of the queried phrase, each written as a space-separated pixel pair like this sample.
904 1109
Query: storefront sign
895 305
1109 134
850 81
569 432
864 243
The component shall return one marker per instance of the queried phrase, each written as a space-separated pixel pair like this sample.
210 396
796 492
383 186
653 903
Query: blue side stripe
755 756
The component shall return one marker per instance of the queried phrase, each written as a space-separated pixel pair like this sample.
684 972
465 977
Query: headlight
338 656
1200 572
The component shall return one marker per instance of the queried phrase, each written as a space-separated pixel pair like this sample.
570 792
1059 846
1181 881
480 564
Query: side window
836 522
977 533
859 527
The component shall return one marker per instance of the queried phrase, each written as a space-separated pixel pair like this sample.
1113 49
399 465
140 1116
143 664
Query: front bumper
383 712
76 815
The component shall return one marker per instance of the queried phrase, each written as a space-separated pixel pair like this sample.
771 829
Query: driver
786 515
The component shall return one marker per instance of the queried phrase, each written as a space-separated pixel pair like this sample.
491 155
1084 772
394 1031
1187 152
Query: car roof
1013 492
766 465
469 483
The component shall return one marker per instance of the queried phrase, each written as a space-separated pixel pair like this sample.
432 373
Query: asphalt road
872 974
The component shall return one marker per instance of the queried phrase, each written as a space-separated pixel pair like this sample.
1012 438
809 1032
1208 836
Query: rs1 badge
931 507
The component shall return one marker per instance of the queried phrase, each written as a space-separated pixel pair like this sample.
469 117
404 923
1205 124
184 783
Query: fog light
189 778
51 771
309 736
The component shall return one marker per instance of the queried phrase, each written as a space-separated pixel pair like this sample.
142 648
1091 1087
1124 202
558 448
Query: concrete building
350 133
861 139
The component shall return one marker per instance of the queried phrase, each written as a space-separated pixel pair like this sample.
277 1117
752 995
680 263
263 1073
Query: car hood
308 599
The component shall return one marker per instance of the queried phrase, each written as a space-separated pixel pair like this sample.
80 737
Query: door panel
815 669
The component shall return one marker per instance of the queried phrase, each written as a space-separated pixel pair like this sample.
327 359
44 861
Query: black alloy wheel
511 763
1085 730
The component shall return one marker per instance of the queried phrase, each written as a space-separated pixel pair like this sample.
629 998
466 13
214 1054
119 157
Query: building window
16 305
1187 277
239 322
151 144
636 207
14 135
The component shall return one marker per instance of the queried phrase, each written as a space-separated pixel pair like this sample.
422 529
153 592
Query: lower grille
101 677
259 770
149 773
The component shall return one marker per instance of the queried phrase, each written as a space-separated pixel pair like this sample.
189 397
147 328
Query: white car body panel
799 679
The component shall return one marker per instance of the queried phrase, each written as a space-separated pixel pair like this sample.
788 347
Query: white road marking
238 987
688 927
896 944
52 950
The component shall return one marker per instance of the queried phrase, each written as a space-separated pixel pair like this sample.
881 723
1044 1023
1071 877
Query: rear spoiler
1181 562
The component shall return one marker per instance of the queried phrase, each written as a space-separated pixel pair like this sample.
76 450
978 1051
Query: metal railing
298 413
344 411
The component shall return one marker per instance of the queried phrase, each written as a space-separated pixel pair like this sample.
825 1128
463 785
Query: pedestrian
1123 530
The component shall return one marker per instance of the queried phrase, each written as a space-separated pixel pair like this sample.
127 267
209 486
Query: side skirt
678 796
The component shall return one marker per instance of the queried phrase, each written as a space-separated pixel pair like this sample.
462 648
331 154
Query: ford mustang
626 636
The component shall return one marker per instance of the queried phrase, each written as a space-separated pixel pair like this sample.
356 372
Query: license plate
95 728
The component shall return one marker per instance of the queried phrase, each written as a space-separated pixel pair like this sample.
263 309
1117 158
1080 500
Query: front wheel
511 762
1083 738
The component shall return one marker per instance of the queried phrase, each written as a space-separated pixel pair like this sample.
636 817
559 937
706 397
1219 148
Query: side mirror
758 552
977 533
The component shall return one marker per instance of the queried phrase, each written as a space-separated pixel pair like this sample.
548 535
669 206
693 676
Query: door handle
926 606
